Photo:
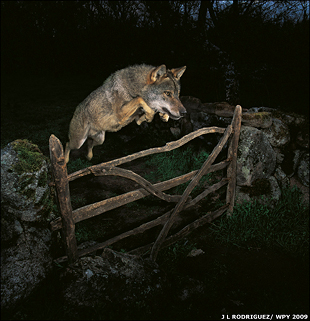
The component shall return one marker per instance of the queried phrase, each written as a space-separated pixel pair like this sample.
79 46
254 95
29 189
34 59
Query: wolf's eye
168 93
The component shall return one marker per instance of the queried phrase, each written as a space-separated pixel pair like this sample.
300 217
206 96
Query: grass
255 225
77 164
92 229
175 163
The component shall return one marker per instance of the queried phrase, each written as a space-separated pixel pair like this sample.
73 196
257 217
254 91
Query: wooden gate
69 218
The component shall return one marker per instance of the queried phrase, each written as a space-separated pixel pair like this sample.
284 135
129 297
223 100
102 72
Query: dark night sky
58 38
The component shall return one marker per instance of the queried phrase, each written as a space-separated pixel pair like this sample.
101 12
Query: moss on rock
30 169
30 157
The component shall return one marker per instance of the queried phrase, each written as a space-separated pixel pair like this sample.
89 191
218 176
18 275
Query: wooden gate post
59 169
232 153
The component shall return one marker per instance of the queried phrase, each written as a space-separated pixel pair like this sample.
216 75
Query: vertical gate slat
59 169
232 153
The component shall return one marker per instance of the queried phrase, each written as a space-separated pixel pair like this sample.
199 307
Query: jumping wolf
133 93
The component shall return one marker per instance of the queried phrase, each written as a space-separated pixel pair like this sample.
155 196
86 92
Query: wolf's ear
157 72
178 72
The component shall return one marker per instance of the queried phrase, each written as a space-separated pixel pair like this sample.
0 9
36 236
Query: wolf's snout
182 111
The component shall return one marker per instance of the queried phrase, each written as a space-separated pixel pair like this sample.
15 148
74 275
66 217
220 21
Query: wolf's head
162 91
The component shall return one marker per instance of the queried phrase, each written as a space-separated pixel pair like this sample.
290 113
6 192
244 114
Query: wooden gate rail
146 226
69 217
168 147
207 218
141 181
101 207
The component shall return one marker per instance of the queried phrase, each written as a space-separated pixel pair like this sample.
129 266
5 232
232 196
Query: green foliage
255 225
92 229
77 201
170 164
77 164
175 163
82 234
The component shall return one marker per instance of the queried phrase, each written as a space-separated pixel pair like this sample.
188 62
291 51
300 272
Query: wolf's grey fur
134 93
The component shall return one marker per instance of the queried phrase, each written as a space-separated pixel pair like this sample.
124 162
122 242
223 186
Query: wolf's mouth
171 115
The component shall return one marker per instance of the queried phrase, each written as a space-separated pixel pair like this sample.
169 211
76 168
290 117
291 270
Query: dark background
54 53
266 42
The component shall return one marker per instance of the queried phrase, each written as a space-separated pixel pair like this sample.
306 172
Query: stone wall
273 145
26 208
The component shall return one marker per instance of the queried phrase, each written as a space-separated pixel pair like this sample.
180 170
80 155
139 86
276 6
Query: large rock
25 212
278 133
118 284
301 166
257 119
281 177
256 158
261 190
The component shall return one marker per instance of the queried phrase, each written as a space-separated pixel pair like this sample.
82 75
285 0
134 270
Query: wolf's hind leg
67 152
95 140
73 144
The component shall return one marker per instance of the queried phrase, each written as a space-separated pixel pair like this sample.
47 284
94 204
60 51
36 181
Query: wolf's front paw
145 117
140 120
164 117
